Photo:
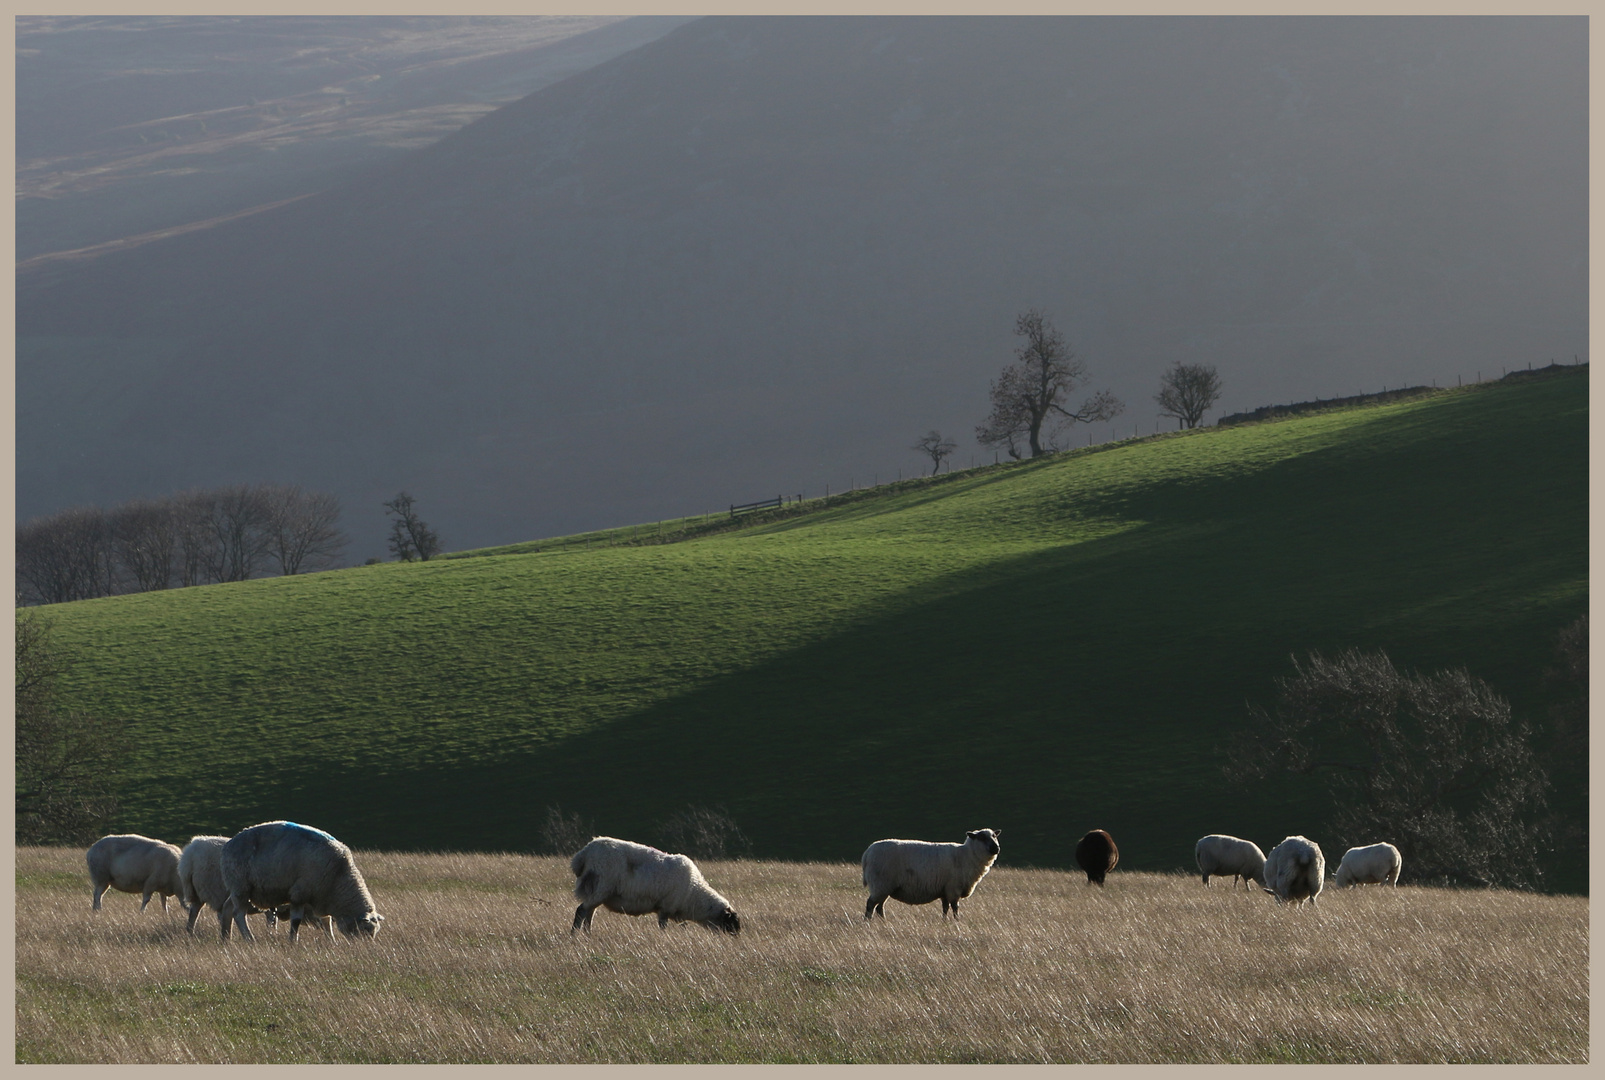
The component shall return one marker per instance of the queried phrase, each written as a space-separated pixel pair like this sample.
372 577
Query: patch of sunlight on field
476 964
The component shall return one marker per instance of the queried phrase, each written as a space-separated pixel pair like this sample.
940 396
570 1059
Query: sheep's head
727 920
365 926
987 838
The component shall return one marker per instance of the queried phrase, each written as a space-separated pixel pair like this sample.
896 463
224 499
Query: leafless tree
197 541
239 522
410 537
933 446
145 538
1186 391
302 530
705 833
66 556
564 834
1036 387
1433 764
66 761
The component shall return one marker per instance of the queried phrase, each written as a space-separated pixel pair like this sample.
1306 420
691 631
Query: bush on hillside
1435 765
564 834
66 760
704 833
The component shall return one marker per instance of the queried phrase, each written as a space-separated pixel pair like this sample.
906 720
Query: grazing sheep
633 879
1377 864
1295 870
281 863
919 871
132 863
1097 855
200 874
1219 855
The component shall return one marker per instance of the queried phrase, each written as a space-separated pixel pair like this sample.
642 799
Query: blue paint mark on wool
306 828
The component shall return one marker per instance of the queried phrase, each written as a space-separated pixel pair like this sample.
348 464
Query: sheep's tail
577 863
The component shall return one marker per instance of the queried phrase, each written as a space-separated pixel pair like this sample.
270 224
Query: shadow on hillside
1083 686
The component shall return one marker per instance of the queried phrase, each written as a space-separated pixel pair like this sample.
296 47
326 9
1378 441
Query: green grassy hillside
1044 647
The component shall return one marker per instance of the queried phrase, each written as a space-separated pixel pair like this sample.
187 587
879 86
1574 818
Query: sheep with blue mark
281 863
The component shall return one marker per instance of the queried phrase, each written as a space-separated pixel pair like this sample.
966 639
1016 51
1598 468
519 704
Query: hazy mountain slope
765 254
1046 648
127 125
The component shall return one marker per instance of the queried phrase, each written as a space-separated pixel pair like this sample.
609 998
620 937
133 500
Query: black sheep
1097 855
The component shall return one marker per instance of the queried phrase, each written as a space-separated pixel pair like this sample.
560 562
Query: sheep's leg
328 926
876 906
297 916
100 890
144 900
663 921
194 913
582 919
239 907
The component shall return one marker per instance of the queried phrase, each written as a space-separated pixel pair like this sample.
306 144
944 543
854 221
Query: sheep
1379 863
1218 854
1295 870
633 879
200 874
1097 855
281 863
919 871
132 863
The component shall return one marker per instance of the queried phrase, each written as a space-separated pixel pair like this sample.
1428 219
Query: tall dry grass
476 964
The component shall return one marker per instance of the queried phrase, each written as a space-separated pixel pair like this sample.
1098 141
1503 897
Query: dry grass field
476 964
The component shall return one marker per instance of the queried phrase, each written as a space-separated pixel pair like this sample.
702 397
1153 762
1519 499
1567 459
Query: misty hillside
763 255
132 125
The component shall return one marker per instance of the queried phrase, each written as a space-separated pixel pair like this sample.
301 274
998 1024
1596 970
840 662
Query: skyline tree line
195 537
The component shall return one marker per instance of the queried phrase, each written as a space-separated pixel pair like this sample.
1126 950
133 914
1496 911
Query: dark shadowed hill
763 255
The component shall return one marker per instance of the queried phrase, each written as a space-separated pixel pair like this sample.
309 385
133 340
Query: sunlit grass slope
1043 648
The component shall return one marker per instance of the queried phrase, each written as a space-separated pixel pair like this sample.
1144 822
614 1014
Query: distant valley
753 256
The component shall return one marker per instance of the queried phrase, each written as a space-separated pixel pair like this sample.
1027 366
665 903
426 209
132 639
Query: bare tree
705 833
410 537
1186 391
302 530
66 556
65 760
145 539
197 541
1434 764
1036 387
239 523
933 446
564 834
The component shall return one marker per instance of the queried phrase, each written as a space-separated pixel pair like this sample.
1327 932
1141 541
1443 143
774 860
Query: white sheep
1379 863
132 863
1295 870
1218 855
919 871
200 875
633 879
280 863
